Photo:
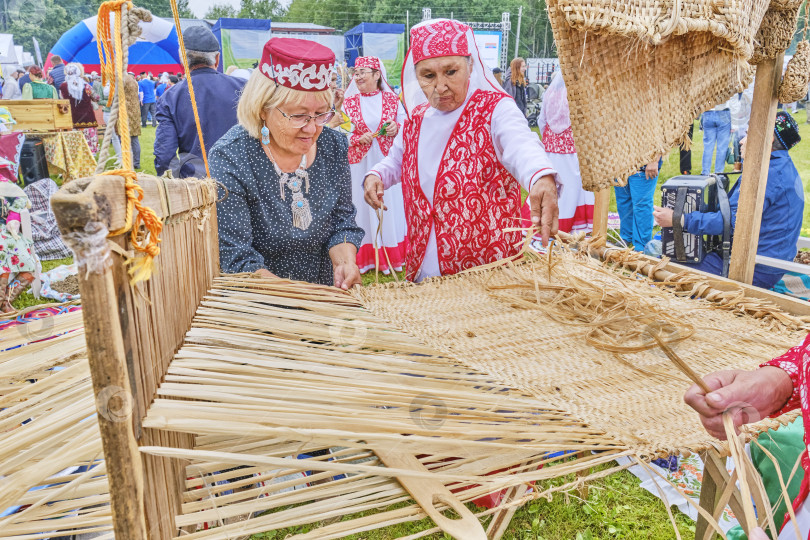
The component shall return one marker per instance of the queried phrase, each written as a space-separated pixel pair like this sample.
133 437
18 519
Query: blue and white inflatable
155 51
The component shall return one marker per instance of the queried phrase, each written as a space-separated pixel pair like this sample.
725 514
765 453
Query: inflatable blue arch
156 51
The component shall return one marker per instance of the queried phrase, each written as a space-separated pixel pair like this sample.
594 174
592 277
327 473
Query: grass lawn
615 506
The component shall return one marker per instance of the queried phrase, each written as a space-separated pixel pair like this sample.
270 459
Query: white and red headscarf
299 64
554 111
370 62
442 37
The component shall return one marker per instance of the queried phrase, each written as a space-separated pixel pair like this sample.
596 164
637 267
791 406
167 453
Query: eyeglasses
300 120
363 72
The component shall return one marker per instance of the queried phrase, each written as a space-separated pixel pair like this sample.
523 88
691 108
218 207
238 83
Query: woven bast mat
518 326
639 72
291 389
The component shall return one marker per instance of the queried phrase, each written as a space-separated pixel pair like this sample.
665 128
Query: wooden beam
755 171
104 196
108 368
600 215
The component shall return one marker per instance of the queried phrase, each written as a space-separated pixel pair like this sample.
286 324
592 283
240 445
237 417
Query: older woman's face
444 80
292 139
366 79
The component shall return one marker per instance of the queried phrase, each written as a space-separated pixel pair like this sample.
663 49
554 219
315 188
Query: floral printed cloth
68 154
16 253
688 477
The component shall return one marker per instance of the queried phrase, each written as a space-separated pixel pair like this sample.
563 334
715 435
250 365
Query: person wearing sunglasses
286 209
376 116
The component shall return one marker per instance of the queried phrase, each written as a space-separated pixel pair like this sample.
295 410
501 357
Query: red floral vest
559 143
474 199
390 104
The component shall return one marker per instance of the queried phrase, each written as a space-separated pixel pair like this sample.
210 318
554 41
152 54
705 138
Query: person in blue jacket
782 211
177 146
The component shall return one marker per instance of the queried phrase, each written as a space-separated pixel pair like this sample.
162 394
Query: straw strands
481 376
51 461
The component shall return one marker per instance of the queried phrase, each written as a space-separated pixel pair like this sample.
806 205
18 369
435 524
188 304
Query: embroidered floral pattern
474 196
442 38
559 143
351 107
311 77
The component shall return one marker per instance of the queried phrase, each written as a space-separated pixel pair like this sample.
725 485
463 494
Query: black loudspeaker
33 165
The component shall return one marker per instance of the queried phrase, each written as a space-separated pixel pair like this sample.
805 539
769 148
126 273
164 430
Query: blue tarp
354 37
241 41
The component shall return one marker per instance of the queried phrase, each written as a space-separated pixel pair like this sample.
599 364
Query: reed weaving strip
47 432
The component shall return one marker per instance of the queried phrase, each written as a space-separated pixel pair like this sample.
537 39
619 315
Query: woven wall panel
639 72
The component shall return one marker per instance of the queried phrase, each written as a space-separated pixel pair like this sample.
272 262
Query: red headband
298 64
441 38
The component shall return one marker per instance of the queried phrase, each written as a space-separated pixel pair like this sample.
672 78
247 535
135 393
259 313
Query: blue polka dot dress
256 226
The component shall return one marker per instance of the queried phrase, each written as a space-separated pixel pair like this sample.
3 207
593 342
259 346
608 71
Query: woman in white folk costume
554 121
463 154
376 115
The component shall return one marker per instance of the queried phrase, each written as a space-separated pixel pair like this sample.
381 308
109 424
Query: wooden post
600 216
755 172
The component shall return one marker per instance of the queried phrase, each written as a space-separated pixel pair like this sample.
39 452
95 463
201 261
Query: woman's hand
392 129
338 99
347 275
366 138
651 170
265 273
662 216
344 262
748 395
373 192
543 204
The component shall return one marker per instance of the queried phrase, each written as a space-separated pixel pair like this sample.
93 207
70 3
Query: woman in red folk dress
376 115
778 386
554 121
464 152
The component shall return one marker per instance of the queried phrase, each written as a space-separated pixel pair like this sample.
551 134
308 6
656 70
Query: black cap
201 39
496 70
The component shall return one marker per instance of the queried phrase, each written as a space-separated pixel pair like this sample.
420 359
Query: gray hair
201 58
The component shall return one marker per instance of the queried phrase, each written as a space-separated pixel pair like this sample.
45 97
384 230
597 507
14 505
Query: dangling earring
265 135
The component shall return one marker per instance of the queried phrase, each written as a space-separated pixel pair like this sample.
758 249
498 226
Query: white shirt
517 147
11 89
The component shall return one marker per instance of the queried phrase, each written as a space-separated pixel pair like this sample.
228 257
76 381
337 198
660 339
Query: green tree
340 14
163 8
260 9
219 11
45 20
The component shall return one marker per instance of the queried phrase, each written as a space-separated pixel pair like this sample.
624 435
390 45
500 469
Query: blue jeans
635 204
716 130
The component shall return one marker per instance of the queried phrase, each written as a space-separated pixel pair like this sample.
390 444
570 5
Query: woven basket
797 75
639 72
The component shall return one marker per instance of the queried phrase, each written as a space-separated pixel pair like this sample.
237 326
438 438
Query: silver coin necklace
301 214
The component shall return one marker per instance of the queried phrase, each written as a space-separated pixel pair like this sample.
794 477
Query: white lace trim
309 78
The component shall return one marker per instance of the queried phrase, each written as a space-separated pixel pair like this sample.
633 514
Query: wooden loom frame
145 491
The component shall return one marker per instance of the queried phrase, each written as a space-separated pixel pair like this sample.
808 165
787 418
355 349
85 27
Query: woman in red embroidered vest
464 152
778 386
554 121
376 115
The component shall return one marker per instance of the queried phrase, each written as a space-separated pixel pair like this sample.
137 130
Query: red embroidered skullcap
370 62
441 38
298 64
